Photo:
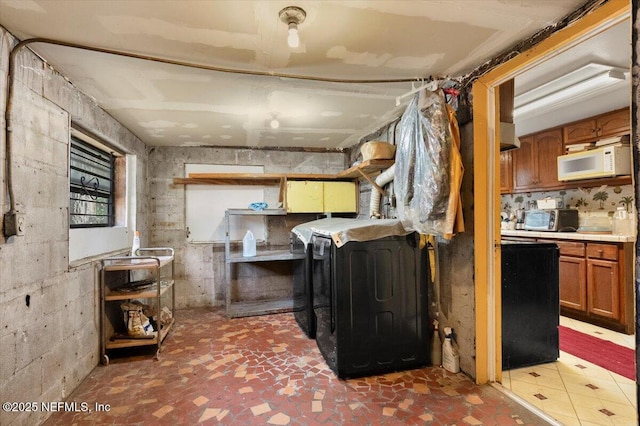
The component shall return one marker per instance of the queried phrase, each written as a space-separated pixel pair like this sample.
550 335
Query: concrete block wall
455 286
199 267
49 310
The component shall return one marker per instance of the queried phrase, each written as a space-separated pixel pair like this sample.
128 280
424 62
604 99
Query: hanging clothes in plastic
428 170
454 212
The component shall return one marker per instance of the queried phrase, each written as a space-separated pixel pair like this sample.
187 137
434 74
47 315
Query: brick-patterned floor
263 370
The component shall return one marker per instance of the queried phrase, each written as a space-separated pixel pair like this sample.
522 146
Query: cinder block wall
49 323
199 267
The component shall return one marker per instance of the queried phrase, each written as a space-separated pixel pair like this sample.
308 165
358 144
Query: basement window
102 197
91 192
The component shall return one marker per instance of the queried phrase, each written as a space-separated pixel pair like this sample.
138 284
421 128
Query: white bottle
450 356
249 245
436 346
136 243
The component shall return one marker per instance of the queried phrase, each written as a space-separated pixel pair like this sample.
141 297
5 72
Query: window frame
106 158
90 243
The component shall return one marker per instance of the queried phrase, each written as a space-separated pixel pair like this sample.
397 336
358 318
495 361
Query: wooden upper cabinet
524 173
533 166
549 147
582 131
506 172
610 124
534 163
613 124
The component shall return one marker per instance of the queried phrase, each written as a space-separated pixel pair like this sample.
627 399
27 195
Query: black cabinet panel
530 304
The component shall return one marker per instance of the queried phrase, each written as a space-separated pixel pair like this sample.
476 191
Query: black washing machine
302 283
370 304
302 296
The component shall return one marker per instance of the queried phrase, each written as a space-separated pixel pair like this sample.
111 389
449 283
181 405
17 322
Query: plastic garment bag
423 178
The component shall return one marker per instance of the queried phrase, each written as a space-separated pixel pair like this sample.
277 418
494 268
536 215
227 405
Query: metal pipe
23 43
210 67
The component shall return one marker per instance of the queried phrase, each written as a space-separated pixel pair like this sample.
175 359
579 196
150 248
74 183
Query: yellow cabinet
321 196
340 197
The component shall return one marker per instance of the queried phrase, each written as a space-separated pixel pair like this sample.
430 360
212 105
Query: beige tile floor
576 392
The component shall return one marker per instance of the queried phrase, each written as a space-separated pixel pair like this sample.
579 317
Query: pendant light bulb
293 40
274 123
292 16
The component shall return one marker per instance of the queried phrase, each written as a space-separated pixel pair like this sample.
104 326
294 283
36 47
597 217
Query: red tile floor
263 370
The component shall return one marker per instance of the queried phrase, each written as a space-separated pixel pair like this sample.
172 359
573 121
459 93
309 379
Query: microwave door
580 166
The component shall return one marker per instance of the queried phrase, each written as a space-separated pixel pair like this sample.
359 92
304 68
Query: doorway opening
487 175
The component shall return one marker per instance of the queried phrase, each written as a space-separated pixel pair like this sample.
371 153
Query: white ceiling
358 40
612 48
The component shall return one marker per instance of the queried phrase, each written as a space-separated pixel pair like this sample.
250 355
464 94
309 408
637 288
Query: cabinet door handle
600 252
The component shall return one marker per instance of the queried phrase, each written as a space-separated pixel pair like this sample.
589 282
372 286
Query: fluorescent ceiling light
587 80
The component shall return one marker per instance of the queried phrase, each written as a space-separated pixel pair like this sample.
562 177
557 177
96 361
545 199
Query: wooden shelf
265 212
356 172
123 342
248 178
365 168
259 307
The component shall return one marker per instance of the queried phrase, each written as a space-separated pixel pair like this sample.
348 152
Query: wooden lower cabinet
603 279
603 288
573 282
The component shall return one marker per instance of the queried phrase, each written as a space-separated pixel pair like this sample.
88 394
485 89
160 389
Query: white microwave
606 161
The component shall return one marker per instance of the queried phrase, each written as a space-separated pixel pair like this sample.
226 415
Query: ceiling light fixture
292 16
569 87
274 122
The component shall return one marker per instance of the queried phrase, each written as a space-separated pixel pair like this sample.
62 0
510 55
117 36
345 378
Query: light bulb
275 124
293 40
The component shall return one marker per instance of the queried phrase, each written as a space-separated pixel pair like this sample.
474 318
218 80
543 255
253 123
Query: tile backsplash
592 203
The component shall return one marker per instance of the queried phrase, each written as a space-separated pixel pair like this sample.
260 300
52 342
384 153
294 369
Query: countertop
569 236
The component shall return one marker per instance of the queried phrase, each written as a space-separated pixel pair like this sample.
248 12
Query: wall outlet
14 224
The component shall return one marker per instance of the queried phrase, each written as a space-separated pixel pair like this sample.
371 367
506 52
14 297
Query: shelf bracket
372 182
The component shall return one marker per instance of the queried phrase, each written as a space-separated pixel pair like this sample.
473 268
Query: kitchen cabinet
603 280
573 278
534 163
596 282
533 166
573 275
590 278
154 273
506 173
599 127
321 196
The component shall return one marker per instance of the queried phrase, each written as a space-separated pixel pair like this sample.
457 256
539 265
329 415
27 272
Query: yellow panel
304 197
340 197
